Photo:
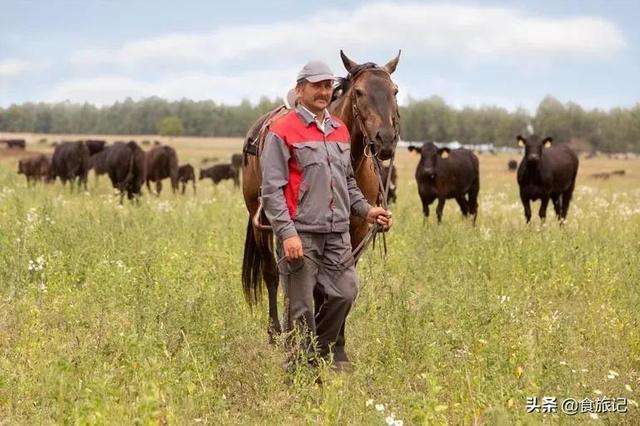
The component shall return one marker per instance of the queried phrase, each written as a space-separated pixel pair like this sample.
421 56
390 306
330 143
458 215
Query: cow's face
533 147
21 167
429 157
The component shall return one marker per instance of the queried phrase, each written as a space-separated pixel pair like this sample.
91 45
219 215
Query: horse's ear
547 142
390 67
444 153
348 63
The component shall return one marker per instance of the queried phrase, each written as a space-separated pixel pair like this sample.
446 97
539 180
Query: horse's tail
252 267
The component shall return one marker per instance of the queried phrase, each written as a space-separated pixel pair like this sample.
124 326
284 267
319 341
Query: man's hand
292 248
380 216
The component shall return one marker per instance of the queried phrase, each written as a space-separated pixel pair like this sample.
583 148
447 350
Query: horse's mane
344 83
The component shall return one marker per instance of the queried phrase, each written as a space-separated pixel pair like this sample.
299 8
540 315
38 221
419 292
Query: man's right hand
292 248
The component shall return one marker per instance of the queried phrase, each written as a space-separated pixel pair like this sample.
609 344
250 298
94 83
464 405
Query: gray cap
315 71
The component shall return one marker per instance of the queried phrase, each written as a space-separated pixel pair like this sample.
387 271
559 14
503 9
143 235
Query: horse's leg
358 230
271 279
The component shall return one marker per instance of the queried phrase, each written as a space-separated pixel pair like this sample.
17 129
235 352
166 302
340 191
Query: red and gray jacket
307 178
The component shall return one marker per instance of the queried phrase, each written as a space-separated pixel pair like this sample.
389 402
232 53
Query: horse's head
372 95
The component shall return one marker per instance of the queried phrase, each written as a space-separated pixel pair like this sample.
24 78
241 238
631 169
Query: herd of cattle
127 165
546 172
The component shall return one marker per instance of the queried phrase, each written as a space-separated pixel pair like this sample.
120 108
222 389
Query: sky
472 53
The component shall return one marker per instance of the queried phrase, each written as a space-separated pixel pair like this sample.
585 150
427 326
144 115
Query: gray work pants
324 277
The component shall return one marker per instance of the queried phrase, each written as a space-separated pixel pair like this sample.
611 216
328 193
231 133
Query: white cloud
13 68
230 89
458 32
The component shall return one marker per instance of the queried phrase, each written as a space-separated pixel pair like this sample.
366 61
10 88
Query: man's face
315 96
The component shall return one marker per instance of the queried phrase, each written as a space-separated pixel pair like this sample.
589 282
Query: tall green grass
135 314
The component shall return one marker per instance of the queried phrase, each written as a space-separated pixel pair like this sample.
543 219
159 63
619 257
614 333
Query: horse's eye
359 92
395 90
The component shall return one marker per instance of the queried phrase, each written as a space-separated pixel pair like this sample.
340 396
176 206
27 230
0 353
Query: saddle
258 132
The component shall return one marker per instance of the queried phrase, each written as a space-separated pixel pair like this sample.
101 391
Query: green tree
170 126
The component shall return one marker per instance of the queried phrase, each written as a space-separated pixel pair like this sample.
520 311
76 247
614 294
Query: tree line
432 119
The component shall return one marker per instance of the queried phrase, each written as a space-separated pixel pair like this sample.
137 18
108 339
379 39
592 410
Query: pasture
135 314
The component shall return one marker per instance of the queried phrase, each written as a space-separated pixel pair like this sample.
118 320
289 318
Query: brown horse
366 102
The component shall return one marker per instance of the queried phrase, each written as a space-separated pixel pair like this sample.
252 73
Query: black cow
443 173
98 162
391 195
186 174
94 145
220 172
15 143
162 163
70 160
236 161
126 166
547 170
35 168
512 165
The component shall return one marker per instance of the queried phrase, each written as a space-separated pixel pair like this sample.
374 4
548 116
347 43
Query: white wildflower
613 373
594 416
32 215
163 207
380 407
597 392
37 265
563 362
369 402
390 420
627 387
504 299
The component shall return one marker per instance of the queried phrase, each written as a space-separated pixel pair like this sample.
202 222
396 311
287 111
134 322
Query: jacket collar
308 117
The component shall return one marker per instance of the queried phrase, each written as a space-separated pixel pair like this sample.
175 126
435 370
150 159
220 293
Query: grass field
132 314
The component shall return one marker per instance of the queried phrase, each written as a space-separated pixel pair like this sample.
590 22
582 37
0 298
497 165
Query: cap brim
320 77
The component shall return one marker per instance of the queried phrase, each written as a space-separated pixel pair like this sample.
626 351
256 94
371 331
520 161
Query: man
308 193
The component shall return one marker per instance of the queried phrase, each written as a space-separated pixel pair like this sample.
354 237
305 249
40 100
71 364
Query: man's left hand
380 216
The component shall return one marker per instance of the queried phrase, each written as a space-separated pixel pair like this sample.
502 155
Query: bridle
369 145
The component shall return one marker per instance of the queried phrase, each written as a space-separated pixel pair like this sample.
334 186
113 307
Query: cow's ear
444 153
521 141
547 142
